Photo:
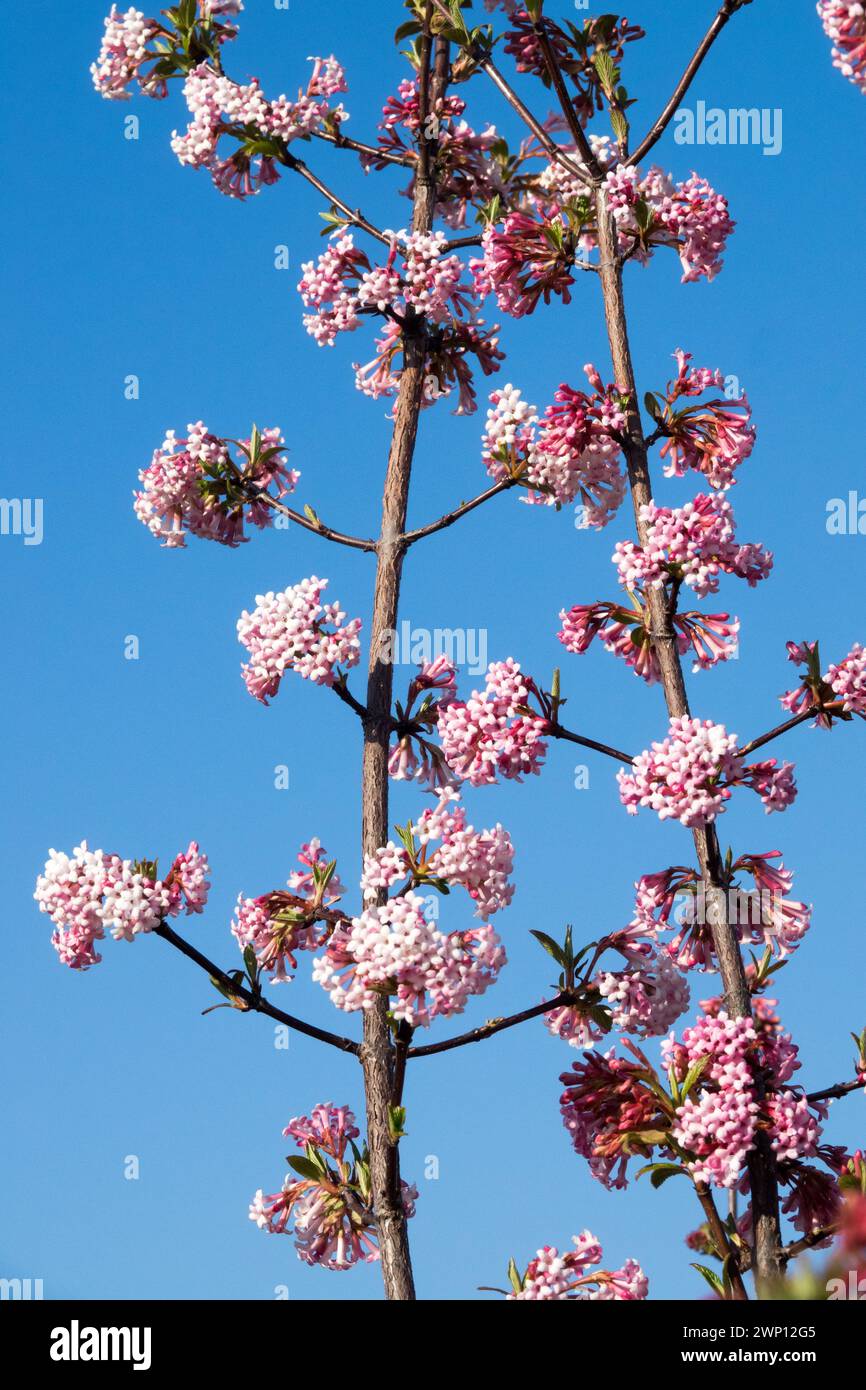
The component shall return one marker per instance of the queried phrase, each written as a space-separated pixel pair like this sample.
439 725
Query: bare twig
255 1003
756 743
724 1249
557 731
463 510
799 1247
353 216
317 527
729 8
491 1027
845 1088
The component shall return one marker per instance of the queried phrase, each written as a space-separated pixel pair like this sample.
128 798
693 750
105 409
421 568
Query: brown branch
724 1249
491 1027
593 169
799 1247
557 731
845 1088
756 743
318 528
407 159
342 692
729 8
255 1003
353 216
463 510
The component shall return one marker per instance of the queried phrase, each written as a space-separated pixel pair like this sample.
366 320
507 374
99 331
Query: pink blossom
679 778
693 544
393 949
194 486
494 733
295 631
845 25
848 679
624 631
124 51
712 438
645 1001
572 1276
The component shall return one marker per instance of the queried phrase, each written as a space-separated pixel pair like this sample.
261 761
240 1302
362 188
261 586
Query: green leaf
514 1276
661 1172
713 1279
406 30
252 965
693 1075
550 946
396 1121
306 1168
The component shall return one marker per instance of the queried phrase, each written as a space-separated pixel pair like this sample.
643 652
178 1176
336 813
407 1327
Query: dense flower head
845 25
713 437
91 891
295 631
572 1275
394 949
263 129
646 1001
494 733
688 776
694 544
421 289
624 631
194 486
123 55
607 1101
574 451
329 1208
847 680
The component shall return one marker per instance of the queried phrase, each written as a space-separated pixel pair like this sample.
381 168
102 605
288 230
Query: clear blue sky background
121 262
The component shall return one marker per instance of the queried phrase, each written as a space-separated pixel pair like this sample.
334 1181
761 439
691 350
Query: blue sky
121 262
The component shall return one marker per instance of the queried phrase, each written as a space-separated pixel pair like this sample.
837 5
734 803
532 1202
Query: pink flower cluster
689 775
90 891
646 1002
277 925
295 631
714 437
124 51
845 25
526 261
652 210
427 293
607 1102
479 861
329 1209
845 682
694 544
393 949
572 1275
848 680
574 451
413 757
494 733
218 106
193 485
713 637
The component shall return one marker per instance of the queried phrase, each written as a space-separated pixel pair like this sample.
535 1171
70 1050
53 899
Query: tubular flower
712 438
277 925
713 637
693 545
495 733
413 757
91 891
845 25
194 486
393 950
295 631
330 1206
572 1276
645 1001
843 684
607 1102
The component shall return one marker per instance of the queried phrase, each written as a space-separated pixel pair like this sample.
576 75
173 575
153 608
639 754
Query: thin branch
756 743
492 1026
593 169
255 1003
465 507
353 215
789 1252
555 151
342 692
318 528
845 1088
343 142
724 1249
729 8
557 731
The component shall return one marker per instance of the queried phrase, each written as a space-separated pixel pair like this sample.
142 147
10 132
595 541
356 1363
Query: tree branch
729 8
491 1027
353 215
318 528
463 510
724 1249
780 729
593 169
845 1088
809 1242
557 731
407 159
255 1003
